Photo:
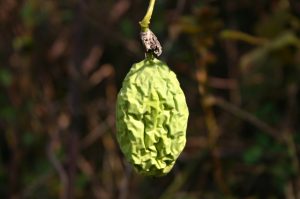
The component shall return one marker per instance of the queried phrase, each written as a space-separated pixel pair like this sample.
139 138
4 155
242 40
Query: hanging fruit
151 111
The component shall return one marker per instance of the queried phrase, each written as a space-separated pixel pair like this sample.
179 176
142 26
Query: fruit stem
146 20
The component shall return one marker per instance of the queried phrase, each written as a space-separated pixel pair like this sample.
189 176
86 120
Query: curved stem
146 20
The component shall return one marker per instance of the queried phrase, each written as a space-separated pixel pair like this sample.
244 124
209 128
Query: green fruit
151 117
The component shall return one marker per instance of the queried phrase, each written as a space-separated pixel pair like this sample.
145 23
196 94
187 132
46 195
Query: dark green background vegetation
62 63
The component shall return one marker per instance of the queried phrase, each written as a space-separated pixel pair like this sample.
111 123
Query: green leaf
28 139
253 154
5 77
22 42
8 113
127 28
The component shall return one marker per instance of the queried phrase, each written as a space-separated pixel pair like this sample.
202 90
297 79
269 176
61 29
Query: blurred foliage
63 62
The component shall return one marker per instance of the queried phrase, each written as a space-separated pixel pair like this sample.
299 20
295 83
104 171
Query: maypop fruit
151 117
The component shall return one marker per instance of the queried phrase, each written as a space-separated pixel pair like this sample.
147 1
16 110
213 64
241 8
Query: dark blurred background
62 63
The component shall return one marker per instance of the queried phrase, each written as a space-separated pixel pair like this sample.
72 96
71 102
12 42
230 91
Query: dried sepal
150 42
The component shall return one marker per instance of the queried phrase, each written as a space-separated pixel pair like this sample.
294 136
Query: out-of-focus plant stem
210 119
74 101
242 114
288 129
241 36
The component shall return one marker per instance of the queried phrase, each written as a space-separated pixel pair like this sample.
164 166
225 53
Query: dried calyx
151 42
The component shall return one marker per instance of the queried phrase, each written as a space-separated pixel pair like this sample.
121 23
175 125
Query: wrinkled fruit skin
151 117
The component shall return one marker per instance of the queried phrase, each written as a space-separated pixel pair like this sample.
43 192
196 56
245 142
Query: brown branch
15 162
75 73
288 130
240 113
59 168
222 83
210 120
86 168
38 182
